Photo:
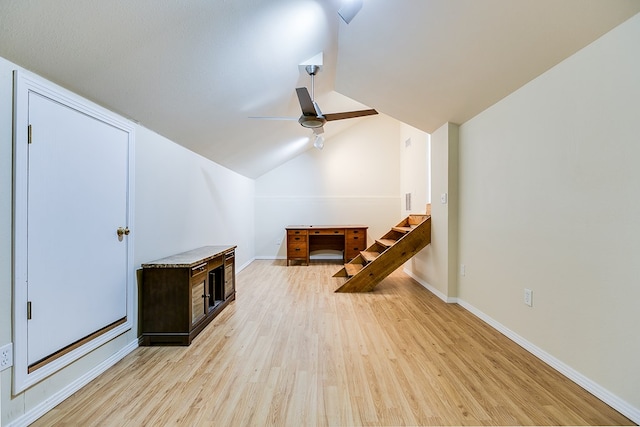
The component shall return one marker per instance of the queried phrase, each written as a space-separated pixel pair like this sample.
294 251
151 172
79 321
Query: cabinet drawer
296 232
328 231
199 269
215 263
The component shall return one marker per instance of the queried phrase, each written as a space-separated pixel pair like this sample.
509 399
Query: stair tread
399 244
403 229
369 255
352 269
386 242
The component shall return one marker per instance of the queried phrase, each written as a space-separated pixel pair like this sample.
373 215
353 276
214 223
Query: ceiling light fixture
350 9
319 142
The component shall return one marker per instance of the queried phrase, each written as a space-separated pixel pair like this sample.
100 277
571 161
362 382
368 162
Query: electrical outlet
6 357
528 297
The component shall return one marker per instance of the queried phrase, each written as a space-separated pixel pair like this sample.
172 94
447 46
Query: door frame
24 83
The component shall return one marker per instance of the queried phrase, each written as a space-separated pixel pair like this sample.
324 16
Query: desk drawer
296 232
358 245
297 250
327 231
296 240
355 232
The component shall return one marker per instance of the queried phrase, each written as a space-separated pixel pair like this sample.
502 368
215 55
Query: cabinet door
198 299
229 275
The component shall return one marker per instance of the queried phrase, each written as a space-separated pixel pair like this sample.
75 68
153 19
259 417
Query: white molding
245 265
25 82
51 402
620 405
326 257
350 197
431 288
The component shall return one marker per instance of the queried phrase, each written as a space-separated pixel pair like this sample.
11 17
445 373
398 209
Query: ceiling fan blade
273 118
306 104
349 114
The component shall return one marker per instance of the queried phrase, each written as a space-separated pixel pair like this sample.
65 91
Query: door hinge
29 134
28 310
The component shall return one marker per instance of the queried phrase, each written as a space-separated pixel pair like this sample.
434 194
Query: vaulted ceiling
195 71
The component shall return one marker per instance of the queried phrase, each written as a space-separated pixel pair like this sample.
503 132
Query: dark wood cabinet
304 239
182 293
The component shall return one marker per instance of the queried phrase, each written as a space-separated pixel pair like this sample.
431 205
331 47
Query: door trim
24 83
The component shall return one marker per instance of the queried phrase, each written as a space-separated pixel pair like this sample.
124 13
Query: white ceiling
194 71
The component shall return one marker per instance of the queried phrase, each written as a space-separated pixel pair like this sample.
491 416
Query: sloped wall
182 201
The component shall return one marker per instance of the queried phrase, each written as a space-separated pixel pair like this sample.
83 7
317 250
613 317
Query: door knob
123 231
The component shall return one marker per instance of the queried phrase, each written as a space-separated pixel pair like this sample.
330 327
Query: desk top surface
321 227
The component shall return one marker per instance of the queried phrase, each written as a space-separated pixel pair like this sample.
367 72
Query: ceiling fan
312 117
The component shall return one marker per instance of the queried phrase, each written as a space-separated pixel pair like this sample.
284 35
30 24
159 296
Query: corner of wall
437 263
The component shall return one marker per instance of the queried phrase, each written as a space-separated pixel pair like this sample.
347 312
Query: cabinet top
190 258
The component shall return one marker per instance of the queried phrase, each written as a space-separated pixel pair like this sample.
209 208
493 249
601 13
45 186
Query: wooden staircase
388 253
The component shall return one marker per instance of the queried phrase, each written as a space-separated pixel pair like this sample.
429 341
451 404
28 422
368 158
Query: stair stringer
389 260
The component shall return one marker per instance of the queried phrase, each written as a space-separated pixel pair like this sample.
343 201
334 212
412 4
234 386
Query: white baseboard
245 265
51 402
312 257
589 385
430 288
592 387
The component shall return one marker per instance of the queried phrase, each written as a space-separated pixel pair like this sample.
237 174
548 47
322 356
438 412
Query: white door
77 199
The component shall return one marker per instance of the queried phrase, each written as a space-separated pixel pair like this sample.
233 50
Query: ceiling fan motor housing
312 121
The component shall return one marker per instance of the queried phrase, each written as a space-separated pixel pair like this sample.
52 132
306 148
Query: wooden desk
304 239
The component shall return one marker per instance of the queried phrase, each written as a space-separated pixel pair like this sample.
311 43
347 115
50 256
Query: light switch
443 198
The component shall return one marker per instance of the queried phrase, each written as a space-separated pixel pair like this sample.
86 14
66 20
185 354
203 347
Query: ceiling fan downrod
312 70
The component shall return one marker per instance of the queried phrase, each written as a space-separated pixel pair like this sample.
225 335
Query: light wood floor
290 352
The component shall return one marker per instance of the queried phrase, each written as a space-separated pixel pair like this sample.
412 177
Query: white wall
550 201
355 179
182 201
414 169
435 265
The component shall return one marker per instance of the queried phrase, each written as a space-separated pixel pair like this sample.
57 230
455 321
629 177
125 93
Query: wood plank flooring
291 352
